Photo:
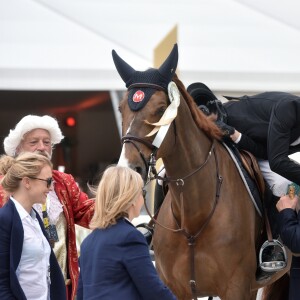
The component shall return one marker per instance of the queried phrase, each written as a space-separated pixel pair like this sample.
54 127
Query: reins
179 182
192 238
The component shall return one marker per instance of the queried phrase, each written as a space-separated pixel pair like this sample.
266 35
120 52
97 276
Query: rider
257 124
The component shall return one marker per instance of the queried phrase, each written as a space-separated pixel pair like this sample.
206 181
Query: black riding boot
273 213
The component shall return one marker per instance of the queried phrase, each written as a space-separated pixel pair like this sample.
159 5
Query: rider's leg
278 186
270 205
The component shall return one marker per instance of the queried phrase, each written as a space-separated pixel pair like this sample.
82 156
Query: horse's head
148 108
139 115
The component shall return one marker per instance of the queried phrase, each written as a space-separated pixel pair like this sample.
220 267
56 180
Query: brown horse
208 230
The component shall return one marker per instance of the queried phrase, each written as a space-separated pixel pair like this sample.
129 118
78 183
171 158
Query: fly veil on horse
208 230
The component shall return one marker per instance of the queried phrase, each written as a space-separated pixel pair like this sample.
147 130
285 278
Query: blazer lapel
17 235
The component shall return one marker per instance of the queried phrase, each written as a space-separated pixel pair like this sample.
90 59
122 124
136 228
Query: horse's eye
160 111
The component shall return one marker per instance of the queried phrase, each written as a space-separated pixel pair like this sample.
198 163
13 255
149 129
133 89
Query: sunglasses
47 180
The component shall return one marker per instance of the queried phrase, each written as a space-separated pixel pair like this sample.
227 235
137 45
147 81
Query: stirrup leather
272 266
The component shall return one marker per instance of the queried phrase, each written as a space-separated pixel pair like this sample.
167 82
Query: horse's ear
168 68
123 68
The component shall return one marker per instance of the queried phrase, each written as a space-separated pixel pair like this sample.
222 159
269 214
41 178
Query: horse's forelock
200 119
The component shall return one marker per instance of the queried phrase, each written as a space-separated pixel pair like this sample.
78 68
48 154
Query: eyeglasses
48 180
144 192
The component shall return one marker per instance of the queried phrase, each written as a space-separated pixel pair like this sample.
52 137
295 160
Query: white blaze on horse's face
123 161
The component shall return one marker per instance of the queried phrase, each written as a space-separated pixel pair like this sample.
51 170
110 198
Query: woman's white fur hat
28 123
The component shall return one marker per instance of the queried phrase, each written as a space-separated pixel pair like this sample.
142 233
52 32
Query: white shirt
32 271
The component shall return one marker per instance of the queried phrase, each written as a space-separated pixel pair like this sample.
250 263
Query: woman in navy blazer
28 179
115 261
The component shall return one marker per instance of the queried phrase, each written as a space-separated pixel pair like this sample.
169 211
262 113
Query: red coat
78 209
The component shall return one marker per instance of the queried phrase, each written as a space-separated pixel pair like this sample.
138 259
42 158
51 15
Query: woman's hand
287 202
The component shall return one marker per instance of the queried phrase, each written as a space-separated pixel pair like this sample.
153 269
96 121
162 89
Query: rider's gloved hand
227 130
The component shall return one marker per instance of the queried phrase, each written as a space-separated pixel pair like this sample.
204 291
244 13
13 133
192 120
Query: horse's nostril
138 170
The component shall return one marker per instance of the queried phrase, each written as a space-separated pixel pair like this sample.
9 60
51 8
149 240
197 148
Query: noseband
132 139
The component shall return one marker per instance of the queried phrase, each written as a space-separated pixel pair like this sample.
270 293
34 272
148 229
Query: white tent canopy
230 45
41 50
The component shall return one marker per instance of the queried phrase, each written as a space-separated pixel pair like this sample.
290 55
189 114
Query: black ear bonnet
142 84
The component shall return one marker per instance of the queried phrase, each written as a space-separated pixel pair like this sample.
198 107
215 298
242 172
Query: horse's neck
188 152
190 161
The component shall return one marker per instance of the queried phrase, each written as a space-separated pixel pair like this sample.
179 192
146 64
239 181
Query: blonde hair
116 192
27 164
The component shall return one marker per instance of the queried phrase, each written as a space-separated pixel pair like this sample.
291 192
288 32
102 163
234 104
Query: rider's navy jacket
269 123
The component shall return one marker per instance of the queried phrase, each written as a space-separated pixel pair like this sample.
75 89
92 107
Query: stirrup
272 266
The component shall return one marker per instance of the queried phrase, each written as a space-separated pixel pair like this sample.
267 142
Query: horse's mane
204 123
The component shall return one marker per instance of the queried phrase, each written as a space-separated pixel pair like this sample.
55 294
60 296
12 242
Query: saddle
250 164
271 248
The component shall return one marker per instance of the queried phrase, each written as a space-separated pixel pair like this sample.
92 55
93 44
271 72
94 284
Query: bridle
151 169
150 166
132 139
